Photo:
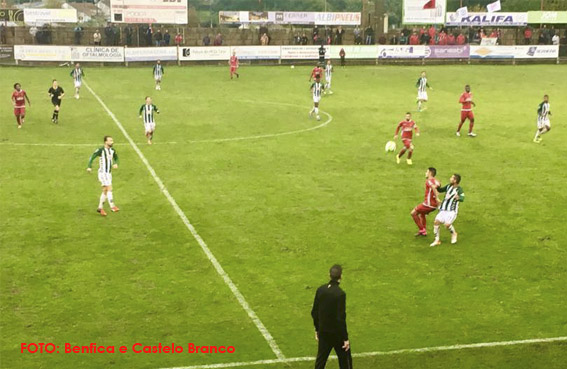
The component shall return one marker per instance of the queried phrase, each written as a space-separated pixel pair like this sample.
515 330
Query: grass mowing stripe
267 335
380 353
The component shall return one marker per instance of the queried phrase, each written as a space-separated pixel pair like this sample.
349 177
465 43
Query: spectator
432 32
96 37
424 39
179 39
461 39
541 39
342 55
108 35
546 35
158 37
297 39
528 33
476 37
422 31
357 36
129 32
329 39
304 39
369 35
555 39
442 38
263 29
414 39
149 37
115 35
78 31
218 40
206 40
315 35
264 40
339 36
451 39
433 40
33 32
166 38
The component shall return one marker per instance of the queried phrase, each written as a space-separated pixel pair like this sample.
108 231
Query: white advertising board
42 16
148 11
204 53
113 54
256 52
150 53
42 53
303 52
424 11
355 51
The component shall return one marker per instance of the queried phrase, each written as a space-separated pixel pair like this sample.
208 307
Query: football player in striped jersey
77 73
422 86
328 77
317 89
449 208
108 161
158 74
543 122
147 114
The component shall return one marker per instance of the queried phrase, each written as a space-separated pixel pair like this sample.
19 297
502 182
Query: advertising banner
402 52
11 15
303 52
148 11
448 52
6 54
256 52
515 52
487 19
132 54
547 17
424 11
42 16
42 53
113 54
355 51
319 18
204 53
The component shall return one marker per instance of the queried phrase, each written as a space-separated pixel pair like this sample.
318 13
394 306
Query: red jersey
19 97
407 128
430 197
317 71
467 105
234 61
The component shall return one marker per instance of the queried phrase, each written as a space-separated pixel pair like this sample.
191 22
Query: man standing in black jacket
329 318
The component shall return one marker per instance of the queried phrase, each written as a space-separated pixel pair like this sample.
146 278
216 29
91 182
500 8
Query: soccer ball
293 66
390 146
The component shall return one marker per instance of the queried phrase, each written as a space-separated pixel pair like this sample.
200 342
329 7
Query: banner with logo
290 52
39 16
319 18
402 52
42 53
256 52
6 54
487 19
11 15
355 51
448 52
148 11
132 54
424 11
515 52
204 53
114 54
547 17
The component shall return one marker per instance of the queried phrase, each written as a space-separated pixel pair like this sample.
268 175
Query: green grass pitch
277 212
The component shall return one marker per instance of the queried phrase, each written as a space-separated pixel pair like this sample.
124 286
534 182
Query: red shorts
232 69
467 114
407 142
422 209
19 111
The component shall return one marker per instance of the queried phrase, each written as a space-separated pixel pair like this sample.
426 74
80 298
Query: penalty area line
379 353
219 269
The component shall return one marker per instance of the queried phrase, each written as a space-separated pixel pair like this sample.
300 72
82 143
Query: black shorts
56 102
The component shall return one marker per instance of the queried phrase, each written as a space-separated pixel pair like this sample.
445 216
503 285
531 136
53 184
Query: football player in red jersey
429 204
466 111
233 62
407 126
317 72
19 98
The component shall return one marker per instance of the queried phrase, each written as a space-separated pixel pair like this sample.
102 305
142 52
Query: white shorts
157 78
150 127
543 123
78 84
105 178
328 80
446 217
316 99
422 95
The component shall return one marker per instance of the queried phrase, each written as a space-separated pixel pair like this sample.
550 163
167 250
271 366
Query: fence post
125 60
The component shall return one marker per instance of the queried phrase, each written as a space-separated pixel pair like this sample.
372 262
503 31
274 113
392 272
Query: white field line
379 353
212 140
263 330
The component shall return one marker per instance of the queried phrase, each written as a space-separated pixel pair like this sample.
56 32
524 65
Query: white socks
316 111
451 229
110 198
102 200
436 232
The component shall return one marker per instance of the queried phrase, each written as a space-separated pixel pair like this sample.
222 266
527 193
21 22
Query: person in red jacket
451 39
414 39
461 39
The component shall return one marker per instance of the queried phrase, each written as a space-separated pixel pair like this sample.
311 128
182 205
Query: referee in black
329 318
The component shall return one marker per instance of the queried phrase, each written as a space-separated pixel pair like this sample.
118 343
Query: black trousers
327 342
